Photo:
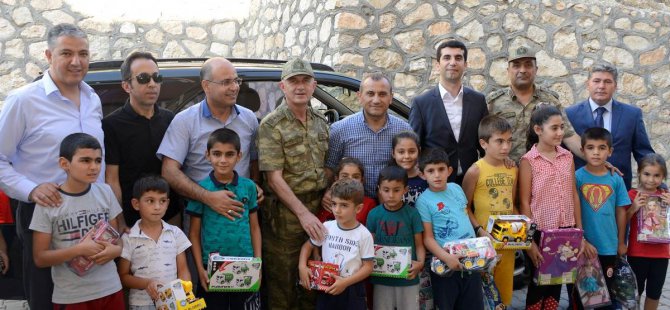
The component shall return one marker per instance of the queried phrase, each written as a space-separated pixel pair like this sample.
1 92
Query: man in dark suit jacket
624 121
448 115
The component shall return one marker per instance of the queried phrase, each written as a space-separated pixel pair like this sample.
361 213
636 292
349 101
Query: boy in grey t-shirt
59 231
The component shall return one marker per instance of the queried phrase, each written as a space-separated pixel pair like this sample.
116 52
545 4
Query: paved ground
517 303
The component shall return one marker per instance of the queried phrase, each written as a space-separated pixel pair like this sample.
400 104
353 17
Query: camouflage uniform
299 150
503 102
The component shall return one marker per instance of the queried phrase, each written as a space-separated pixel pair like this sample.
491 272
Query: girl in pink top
547 192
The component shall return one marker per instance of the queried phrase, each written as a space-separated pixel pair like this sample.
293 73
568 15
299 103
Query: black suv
335 95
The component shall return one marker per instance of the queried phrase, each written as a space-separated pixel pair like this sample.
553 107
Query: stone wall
395 36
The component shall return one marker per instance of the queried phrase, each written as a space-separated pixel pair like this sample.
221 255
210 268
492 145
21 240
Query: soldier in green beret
292 144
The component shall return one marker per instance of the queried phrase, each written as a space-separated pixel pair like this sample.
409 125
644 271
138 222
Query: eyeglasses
227 82
144 78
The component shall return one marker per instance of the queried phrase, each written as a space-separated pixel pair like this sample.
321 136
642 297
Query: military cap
296 66
521 52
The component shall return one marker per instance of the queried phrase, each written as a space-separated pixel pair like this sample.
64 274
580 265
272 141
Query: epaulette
273 118
494 95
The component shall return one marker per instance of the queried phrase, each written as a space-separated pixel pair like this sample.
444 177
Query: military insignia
521 50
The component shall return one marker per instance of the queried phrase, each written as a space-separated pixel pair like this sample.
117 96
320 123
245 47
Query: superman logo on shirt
596 194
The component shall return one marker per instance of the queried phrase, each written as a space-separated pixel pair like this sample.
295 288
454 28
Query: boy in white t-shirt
59 232
347 244
154 251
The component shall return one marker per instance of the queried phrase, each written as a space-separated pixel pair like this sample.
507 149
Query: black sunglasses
144 78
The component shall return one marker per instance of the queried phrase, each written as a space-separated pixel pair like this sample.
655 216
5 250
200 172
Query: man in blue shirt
33 122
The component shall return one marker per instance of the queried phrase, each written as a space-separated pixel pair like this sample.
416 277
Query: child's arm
515 197
130 281
525 183
3 254
576 201
46 257
182 267
432 246
196 249
469 184
341 284
256 238
621 226
111 251
639 201
303 270
417 265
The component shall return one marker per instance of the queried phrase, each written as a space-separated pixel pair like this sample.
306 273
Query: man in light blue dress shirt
34 120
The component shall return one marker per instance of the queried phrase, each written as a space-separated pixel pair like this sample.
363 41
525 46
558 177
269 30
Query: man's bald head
210 64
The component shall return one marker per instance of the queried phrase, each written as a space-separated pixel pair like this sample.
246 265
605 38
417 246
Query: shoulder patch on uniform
273 118
494 95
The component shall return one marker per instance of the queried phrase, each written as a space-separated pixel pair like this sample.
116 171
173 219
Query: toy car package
652 225
511 231
101 231
392 261
624 284
233 274
178 295
322 275
478 254
590 283
559 248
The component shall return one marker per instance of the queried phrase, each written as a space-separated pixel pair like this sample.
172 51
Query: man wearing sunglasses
185 143
134 132
33 122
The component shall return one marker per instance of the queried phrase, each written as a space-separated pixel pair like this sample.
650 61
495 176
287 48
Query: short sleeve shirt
68 224
395 228
415 186
447 212
186 139
551 201
600 195
298 149
505 104
151 259
351 137
347 248
218 233
494 191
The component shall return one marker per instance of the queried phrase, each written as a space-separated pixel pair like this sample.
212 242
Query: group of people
290 188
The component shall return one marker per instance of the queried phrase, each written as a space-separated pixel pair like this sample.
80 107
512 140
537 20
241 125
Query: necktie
599 117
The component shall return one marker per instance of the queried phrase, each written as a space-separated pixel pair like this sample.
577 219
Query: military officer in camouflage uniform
292 145
516 102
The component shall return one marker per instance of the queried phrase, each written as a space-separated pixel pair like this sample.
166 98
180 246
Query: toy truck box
559 248
234 274
511 232
478 254
322 275
101 231
392 261
178 295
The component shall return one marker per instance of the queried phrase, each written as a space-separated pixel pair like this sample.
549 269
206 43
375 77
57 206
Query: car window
345 95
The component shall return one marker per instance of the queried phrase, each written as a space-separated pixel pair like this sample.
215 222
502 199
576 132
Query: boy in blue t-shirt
395 223
445 216
213 232
603 198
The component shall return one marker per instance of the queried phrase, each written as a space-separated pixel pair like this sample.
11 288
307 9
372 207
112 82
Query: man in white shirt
33 121
448 115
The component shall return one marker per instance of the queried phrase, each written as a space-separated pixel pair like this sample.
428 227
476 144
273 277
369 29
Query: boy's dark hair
492 124
652 159
348 189
392 173
125 66
597 133
433 156
224 136
77 141
453 44
540 115
153 183
350 161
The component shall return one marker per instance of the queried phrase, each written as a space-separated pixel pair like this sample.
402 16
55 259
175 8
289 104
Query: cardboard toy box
652 225
178 295
101 231
590 283
234 274
392 261
511 231
559 248
478 254
322 275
